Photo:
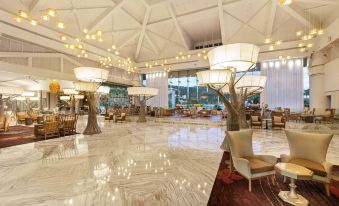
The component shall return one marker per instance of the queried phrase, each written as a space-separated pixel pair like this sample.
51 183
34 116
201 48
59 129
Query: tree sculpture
90 80
229 64
144 94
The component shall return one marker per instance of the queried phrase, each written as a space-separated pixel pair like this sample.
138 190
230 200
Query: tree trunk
242 119
92 123
142 112
232 121
1 106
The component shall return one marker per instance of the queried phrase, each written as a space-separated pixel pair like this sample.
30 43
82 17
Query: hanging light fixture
217 77
103 90
91 74
240 56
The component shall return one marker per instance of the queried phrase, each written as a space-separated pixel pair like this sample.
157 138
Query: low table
294 172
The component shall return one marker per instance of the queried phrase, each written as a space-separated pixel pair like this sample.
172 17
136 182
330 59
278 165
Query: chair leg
250 185
285 179
273 180
327 189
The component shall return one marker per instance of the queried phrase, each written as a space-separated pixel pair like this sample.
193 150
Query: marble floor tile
127 164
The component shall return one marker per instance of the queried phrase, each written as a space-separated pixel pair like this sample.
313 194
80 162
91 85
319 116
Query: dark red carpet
232 190
17 135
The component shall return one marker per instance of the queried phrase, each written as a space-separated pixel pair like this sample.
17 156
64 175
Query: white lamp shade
252 83
34 98
103 90
20 98
70 91
86 86
91 74
142 91
215 77
79 96
28 94
65 98
240 56
11 90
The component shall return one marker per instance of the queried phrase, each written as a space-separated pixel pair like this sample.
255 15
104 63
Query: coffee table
294 172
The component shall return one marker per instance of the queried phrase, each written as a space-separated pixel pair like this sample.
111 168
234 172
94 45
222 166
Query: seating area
169 102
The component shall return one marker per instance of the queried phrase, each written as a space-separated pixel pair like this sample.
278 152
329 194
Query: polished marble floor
128 164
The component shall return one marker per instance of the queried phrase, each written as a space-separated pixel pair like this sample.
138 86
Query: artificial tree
90 79
144 94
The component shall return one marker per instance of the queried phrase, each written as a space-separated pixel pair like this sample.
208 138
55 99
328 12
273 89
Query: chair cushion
277 119
317 168
255 118
259 166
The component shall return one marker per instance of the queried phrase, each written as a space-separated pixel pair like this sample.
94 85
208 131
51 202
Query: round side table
294 172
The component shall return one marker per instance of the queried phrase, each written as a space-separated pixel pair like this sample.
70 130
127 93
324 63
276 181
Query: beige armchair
248 164
256 120
309 150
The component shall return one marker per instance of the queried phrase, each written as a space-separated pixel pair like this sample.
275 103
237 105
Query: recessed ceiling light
52 12
114 47
71 46
100 40
80 46
116 53
109 50
299 33
83 51
63 38
18 19
77 40
320 32
271 47
60 25
23 14
267 40
300 44
93 37
99 32
33 22
85 31
278 42
87 36
309 45
285 2
45 17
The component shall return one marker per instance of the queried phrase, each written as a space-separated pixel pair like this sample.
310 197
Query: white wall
331 86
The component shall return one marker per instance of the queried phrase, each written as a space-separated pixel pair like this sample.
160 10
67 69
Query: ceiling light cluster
272 43
306 37
113 49
93 36
47 15
150 65
284 59
74 44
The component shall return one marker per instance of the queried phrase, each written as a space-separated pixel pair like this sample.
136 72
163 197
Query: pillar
316 72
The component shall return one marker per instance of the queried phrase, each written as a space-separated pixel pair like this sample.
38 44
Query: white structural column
316 76
158 80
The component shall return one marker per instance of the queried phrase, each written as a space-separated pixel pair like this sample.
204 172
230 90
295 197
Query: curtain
284 86
160 81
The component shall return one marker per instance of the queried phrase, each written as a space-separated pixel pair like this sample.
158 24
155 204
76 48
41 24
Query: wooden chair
4 123
49 129
21 116
256 120
69 123
278 119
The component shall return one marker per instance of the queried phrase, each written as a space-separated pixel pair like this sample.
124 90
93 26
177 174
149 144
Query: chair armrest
328 168
267 158
242 166
285 158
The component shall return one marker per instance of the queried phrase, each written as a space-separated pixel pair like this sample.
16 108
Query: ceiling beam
270 20
36 6
222 21
106 14
187 42
142 33
297 13
155 49
129 40
321 1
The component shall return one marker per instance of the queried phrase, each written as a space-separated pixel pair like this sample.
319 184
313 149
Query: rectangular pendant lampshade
65 98
91 74
11 90
70 91
103 90
240 56
252 83
86 86
216 77
142 91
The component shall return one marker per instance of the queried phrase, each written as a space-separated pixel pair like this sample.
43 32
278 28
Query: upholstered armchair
49 129
248 164
278 119
121 118
21 116
256 120
309 150
4 123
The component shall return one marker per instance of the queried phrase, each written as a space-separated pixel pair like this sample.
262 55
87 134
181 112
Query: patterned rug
17 135
232 190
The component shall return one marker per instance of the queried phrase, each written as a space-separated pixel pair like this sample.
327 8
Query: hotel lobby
169 102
